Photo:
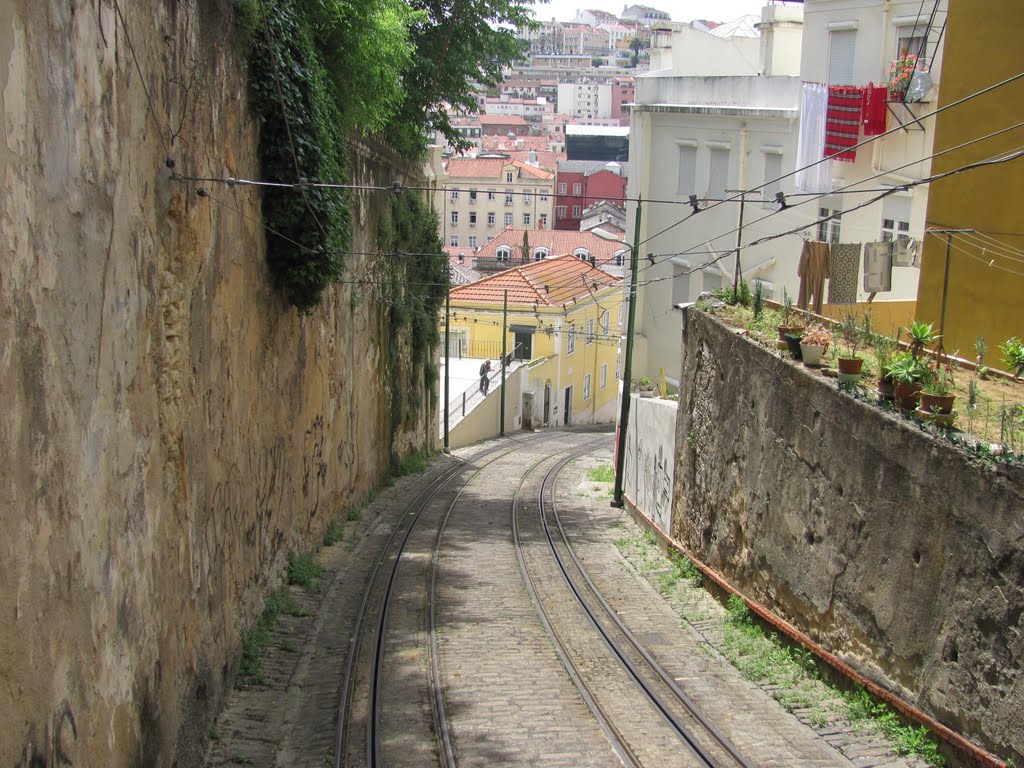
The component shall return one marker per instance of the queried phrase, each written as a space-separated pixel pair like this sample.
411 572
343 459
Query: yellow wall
982 47
886 316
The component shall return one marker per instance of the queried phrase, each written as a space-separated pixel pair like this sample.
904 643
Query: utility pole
627 364
447 367
945 278
504 341
739 245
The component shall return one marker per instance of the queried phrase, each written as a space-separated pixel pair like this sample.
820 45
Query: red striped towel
842 121
874 109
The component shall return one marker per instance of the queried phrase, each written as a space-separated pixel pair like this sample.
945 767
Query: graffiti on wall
650 459
314 465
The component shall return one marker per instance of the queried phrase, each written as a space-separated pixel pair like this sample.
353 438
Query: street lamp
627 363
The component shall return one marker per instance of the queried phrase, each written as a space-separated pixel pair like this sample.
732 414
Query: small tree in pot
853 336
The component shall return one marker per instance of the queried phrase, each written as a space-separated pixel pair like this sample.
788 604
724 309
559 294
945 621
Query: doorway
547 404
567 417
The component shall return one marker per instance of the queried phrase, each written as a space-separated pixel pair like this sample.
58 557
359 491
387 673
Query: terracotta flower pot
907 395
851 365
885 389
937 403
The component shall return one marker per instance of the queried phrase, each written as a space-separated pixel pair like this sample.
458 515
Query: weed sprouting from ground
335 532
304 570
254 641
416 464
603 474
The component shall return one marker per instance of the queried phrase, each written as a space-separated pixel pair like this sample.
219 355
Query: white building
585 101
702 126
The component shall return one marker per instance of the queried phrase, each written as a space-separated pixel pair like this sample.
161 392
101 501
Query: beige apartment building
480 197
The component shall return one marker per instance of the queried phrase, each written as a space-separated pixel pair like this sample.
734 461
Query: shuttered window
718 173
687 170
842 45
772 171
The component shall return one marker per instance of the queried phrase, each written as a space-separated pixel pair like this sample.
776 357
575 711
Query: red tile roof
557 242
502 120
491 168
549 283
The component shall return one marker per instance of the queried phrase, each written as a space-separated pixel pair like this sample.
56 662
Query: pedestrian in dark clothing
485 369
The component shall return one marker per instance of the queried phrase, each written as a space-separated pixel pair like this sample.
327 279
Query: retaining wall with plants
894 550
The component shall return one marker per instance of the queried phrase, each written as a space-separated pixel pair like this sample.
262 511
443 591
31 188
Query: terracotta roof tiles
549 283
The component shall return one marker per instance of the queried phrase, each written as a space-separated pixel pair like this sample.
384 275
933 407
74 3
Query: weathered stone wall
889 547
171 428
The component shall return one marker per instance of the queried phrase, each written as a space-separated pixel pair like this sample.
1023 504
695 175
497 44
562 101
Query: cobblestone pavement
503 710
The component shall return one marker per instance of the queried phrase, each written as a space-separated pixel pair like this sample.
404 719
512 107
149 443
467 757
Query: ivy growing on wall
414 281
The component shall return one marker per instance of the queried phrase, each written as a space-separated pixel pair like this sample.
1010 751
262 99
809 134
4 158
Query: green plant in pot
907 373
938 394
644 386
1013 355
813 344
848 361
789 324
884 349
921 335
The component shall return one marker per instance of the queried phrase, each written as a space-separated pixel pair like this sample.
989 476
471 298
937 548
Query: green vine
413 275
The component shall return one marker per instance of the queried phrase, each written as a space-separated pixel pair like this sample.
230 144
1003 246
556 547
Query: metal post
504 340
945 282
447 367
627 364
739 249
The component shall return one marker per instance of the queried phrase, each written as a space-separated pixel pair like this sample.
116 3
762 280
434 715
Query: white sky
680 10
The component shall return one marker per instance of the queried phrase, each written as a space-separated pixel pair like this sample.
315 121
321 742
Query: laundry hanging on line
904 252
813 268
873 117
812 175
842 121
878 267
844 271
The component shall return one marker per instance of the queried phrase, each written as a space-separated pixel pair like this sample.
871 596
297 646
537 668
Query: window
718 172
526 219
581 253
909 42
454 241
828 231
472 196
560 211
577 189
576 212
503 253
490 219
509 198
896 218
686 184
602 324
586 387
561 188
508 219
570 340
540 254
772 172
508 177
455 194
590 331
527 196
455 217
472 241
604 376
842 44
543 221
680 284
544 197
492 196
620 259
472 218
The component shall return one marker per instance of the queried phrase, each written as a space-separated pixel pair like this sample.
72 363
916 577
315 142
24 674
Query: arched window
620 258
503 253
540 253
581 253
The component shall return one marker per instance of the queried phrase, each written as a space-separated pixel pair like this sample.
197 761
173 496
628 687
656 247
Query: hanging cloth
903 252
844 270
812 270
877 267
810 146
873 118
842 121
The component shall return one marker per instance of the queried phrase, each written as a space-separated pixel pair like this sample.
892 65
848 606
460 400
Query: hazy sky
680 10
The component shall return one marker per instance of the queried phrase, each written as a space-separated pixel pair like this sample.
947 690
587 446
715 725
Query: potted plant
921 334
1013 355
906 372
848 361
788 312
938 394
643 386
813 345
884 349
900 74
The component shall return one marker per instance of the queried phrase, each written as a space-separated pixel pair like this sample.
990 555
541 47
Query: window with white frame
680 284
526 219
570 340
508 219
455 194
472 218
686 184
561 188
620 258
453 241
576 211
560 211
603 380
718 172
543 221
509 198
829 231
455 217
503 253
508 177
472 241
543 197
527 197
581 253
490 219
910 39
603 321
577 189
589 331
472 195
842 44
896 218
586 386
540 253
492 195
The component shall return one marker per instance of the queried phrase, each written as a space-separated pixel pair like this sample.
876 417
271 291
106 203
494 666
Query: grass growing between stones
250 666
335 532
788 673
304 570
603 474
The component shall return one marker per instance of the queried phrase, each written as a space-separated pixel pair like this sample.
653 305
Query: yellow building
984 293
563 322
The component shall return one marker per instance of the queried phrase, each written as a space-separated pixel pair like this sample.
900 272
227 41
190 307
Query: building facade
580 184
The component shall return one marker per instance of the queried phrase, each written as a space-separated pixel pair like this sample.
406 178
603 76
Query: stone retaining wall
891 548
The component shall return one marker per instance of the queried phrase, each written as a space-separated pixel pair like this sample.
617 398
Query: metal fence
480 350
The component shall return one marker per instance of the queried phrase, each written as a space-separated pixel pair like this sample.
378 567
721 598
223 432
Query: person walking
485 369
